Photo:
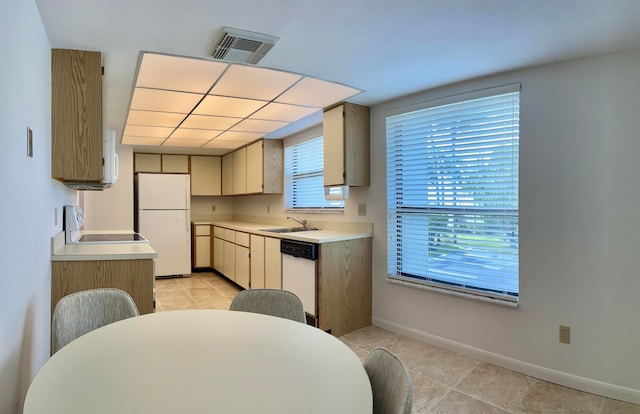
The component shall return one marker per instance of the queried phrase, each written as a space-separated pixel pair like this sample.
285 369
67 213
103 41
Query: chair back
82 312
390 383
274 302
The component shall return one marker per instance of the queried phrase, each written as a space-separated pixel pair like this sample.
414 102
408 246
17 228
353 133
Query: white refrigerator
163 216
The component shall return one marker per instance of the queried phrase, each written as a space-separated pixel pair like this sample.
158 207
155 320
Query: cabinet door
218 254
240 171
272 263
175 163
242 266
227 174
202 251
333 130
76 115
255 168
257 262
229 269
205 176
147 163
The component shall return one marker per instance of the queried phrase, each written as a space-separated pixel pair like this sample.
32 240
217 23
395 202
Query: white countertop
103 251
312 236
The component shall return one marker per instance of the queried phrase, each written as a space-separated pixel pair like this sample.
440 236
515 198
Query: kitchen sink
289 229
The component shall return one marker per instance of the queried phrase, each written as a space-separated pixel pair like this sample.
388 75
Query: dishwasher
299 260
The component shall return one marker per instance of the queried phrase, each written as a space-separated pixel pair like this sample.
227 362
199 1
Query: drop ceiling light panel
316 93
178 73
209 122
165 119
181 101
230 107
254 83
164 101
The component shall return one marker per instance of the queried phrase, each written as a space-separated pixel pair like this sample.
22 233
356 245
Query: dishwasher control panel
300 249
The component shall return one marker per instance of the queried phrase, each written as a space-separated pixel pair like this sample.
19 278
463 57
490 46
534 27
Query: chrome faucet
303 223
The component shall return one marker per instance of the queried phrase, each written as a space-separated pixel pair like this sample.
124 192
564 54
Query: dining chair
82 312
274 302
390 383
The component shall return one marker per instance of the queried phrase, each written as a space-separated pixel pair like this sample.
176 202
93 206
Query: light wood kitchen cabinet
133 276
257 262
173 163
76 115
227 174
242 266
344 296
265 167
147 163
218 249
206 177
229 260
272 263
346 145
201 246
240 171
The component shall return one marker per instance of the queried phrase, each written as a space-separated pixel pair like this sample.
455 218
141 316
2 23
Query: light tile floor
443 381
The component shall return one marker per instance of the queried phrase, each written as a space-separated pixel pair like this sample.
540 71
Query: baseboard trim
604 389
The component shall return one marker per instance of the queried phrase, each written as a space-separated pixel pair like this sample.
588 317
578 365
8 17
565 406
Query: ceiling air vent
243 46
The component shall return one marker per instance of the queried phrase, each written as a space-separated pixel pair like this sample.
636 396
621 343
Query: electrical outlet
565 334
362 209
213 207
55 216
268 209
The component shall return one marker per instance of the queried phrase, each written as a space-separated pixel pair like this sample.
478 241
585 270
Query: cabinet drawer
230 235
203 230
218 232
242 239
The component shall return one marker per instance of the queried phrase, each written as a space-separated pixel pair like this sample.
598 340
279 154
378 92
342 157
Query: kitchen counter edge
108 251
312 236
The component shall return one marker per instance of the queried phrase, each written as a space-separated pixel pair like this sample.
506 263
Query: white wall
112 209
579 227
29 197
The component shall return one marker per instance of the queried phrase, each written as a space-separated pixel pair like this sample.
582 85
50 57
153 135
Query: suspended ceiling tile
164 101
239 136
225 106
147 131
131 140
191 143
258 125
224 144
177 73
153 118
317 93
209 122
254 82
187 133
283 112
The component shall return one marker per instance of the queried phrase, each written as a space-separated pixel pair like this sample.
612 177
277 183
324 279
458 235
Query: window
304 178
452 194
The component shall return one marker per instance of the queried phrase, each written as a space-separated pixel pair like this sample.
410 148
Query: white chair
390 383
274 302
82 312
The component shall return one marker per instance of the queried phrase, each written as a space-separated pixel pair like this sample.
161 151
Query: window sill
315 211
486 299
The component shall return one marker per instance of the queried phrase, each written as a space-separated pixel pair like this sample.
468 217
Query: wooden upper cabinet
240 171
147 163
346 145
205 175
227 174
76 115
265 167
172 163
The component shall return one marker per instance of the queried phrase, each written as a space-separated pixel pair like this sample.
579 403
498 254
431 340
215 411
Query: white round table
202 361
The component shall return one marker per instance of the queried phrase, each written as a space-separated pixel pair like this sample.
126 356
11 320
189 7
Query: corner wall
579 229
29 197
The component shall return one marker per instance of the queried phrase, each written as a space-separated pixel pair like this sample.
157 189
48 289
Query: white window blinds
304 177
452 195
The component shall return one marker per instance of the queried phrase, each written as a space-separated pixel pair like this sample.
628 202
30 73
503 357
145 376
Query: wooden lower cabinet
272 263
344 286
133 276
